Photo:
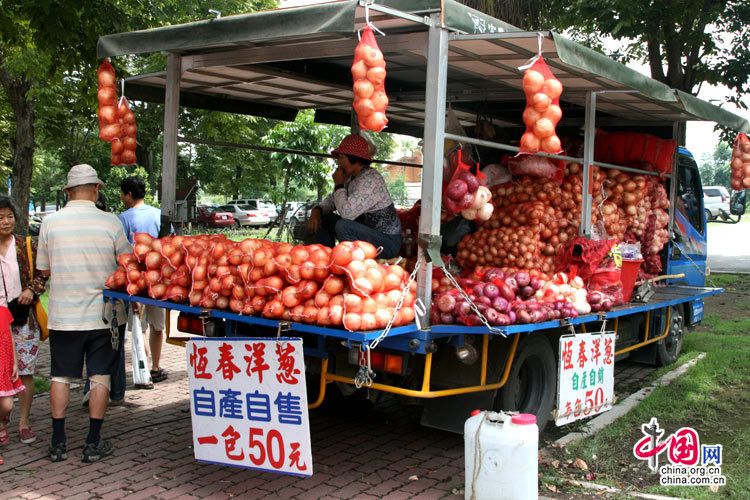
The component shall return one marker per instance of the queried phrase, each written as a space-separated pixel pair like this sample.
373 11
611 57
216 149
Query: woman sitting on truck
360 196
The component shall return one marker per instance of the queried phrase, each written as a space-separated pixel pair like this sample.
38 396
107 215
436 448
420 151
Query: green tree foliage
397 189
525 14
684 43
47 75
714 167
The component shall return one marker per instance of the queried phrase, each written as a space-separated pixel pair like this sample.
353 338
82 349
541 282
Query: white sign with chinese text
248 404
586 378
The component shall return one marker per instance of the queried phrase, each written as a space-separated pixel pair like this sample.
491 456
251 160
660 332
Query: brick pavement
371 455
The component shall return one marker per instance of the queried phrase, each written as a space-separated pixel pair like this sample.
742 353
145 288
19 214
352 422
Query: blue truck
439 54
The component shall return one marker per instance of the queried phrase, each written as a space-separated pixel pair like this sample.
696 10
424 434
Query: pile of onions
368 73
741 163
106 95
503 298
314 284
512 247
542 111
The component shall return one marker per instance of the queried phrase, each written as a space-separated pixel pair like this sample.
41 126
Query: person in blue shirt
142 218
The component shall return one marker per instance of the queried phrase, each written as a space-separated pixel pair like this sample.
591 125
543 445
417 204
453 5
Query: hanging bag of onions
368 73
109 127
741 163
123 148
542 111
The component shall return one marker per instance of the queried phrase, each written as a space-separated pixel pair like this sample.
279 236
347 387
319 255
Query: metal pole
674 179
169 151
432 170
589 133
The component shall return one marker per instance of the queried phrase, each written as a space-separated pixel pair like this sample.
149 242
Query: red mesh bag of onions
741 163
542 111
368 73
109 126
123 147
460 192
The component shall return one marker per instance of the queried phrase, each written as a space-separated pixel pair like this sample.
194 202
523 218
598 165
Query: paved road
383 453
729 247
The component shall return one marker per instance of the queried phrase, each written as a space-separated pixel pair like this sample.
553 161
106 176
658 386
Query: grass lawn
712 397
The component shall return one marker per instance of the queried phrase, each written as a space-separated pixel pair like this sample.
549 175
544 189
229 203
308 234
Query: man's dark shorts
69 349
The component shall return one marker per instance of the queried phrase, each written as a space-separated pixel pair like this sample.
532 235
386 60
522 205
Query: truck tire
532 382
669 348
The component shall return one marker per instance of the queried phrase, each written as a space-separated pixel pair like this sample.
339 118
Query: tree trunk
22 146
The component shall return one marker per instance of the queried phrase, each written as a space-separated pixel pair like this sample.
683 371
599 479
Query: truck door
687 253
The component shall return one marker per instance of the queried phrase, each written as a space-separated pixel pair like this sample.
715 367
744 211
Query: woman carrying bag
20 291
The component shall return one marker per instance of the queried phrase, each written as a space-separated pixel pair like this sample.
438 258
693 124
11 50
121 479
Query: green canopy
276 62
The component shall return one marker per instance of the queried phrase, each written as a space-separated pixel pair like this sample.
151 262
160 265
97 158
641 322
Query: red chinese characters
582 354
567 355
199 362
287 371
256 362
226 362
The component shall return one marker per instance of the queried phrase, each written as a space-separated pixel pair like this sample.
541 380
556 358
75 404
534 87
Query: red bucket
628 275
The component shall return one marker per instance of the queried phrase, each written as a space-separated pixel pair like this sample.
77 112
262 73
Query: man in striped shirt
78 249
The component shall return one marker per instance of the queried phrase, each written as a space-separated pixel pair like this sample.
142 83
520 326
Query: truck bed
399 337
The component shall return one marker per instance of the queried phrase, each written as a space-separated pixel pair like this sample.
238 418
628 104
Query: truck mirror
737 202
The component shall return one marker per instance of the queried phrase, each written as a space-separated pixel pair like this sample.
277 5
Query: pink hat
354 145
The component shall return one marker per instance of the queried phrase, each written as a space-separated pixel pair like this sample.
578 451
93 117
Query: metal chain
473 306
365 374
399 305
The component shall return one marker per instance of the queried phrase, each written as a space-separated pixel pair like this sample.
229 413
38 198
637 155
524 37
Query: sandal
4 435
158 375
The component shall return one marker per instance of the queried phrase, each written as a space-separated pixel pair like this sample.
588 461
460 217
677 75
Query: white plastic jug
501 456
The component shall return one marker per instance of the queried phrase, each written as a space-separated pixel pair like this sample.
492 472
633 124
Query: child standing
10 383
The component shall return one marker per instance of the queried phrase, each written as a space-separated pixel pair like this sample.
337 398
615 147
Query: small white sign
586 377
248 404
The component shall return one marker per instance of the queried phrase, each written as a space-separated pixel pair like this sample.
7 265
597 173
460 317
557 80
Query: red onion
500 304
522 278
447 319
535 283
491 290
526 292
492 316
446 303
507 292
511 317
512 283
457 189
478 289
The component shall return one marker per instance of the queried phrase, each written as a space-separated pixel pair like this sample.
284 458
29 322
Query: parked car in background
247 214
266 207
211 216
716 202
292 208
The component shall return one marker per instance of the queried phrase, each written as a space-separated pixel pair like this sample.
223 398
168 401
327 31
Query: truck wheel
532 382
669 348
